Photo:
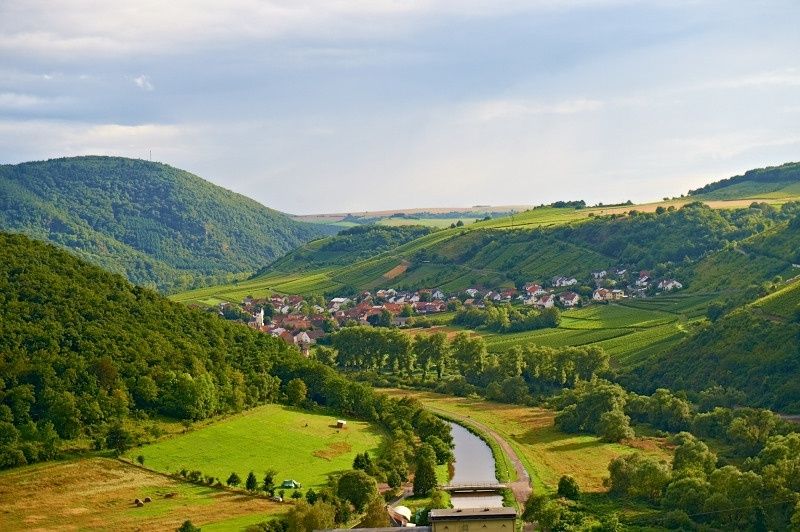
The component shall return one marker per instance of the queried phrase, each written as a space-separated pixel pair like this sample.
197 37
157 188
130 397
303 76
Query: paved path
520 487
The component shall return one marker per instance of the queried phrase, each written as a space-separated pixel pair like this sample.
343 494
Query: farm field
98 493
546 452
300 445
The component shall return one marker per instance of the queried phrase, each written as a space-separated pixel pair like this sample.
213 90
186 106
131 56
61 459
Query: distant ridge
155 224
769 182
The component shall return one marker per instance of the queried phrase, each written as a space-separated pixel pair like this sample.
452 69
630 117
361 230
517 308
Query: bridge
474 487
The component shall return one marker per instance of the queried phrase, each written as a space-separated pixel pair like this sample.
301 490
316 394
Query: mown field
546 452
298 444
98 494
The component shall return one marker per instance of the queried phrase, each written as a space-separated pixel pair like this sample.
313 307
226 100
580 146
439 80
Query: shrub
568 487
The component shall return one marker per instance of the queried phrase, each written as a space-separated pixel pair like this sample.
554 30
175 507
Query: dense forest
155 224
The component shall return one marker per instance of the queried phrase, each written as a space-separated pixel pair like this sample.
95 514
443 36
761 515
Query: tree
296 391
140 459
432 349
297 494
304 517
615 426
444 453
541 510
375 514
638 475
568 487
311 496
693 454
357 487
687 494
118 438
251 483
187 526
425 474
268 484
233 480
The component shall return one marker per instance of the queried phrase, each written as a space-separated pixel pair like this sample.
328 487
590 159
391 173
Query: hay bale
148 499
139 504
137 501
170 495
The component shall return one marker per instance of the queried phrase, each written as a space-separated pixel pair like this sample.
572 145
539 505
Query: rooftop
472 513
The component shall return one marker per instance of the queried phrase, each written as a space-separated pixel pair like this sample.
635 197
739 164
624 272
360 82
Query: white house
437 294
599 275
601 294
569 299
669 284
643 280
564 281
471 292
546 301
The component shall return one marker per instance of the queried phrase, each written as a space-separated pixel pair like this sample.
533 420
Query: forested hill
773 181
754 350
155 224
82 347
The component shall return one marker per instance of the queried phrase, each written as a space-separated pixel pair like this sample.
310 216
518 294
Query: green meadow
300 445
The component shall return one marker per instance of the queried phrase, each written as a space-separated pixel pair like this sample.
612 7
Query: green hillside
771 182
754 349
538 246
155 224
82 347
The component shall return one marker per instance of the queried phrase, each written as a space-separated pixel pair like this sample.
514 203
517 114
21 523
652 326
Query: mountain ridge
156 224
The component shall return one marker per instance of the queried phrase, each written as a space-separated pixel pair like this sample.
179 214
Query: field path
520 487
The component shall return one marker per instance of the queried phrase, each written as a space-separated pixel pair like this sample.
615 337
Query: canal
474 463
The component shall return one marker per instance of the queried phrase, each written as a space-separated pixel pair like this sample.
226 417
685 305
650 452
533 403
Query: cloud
15 101
143 82
515 108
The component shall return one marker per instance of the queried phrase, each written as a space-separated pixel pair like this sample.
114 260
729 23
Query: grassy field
298 444
546 452
98 494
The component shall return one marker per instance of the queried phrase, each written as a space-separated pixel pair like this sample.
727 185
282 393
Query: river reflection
474 464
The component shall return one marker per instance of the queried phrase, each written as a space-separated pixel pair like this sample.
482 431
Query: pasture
546 452
298 444
98 493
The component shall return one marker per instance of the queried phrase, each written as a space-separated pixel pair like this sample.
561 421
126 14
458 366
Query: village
303 322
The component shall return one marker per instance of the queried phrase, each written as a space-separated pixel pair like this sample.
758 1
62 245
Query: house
644 279
508 295
669 284
546 301
467 519
601 294
619 272
617 294
569 299
598 275
290 485
534 289
437 294
564 281
471 292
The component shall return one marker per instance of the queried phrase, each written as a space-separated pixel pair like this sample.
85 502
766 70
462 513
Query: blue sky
311 106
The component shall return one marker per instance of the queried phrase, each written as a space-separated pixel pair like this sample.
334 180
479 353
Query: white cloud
515 108
143 82
15 101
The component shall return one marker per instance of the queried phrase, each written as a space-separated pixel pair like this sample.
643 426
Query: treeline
506 318
462 365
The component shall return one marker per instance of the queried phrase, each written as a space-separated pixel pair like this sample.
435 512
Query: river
474 463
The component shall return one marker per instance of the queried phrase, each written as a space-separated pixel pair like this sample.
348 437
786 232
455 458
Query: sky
334 106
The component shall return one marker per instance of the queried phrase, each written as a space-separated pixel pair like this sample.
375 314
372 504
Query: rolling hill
763 183
754 349
155 224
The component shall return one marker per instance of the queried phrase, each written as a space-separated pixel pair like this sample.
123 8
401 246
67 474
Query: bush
568 487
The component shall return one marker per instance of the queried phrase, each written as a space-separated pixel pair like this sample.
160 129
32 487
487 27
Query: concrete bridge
474 487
